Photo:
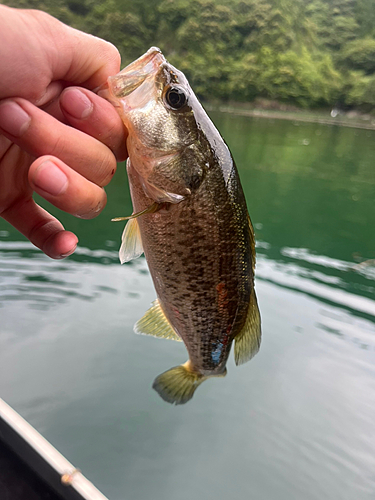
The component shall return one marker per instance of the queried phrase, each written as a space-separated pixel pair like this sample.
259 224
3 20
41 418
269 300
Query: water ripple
368 271
27 275
291 277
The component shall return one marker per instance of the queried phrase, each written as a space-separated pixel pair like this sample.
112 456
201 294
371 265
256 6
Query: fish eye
175 98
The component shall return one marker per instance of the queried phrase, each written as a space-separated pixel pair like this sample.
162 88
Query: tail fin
177 385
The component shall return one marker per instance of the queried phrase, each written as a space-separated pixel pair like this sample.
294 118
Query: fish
191 221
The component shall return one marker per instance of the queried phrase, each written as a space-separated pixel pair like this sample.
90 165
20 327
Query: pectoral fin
149 210
156 324
131 242
247 342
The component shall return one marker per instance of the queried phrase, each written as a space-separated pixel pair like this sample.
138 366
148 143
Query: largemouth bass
191 221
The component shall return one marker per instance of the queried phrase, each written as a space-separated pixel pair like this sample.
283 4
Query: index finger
96 117
84 59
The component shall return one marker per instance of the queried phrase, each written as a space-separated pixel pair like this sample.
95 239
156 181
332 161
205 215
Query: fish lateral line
149 210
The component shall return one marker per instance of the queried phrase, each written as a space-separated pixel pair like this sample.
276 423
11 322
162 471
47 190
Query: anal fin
247 342
155 323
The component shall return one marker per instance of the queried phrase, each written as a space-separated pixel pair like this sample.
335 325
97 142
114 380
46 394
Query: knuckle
57 146
94 208
39 16
106 168
114 137
113 54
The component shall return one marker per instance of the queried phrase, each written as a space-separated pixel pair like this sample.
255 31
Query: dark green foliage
306 52
360 54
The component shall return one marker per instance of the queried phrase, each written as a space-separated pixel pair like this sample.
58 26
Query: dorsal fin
156 324
131 242
247 342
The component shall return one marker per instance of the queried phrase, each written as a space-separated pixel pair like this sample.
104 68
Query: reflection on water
295 422
27 275
341 291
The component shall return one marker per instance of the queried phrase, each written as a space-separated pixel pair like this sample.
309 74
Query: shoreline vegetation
353 118
310 54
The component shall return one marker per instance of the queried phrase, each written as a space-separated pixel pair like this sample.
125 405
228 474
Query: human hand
56 139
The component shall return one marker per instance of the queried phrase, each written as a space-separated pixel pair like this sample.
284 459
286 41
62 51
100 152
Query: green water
297 422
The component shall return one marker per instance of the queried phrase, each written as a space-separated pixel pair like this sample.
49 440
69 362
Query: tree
359 54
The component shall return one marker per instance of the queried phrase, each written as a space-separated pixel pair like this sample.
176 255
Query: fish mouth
132 76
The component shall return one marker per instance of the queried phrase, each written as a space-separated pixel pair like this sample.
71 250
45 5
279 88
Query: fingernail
76 103
50 178
63 255
13 119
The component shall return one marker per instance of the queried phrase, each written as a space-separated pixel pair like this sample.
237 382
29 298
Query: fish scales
202 253
193 225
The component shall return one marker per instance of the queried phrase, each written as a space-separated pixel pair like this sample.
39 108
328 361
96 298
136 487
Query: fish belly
198 253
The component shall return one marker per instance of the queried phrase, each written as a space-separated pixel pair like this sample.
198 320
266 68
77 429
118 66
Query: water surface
296 422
